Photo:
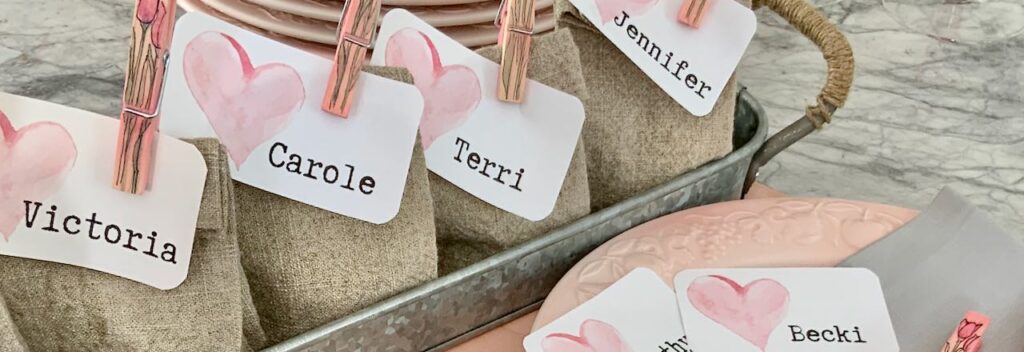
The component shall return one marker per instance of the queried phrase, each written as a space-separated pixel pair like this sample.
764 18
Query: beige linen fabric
10 338
470 229
637 136
255 337
59 307
308 266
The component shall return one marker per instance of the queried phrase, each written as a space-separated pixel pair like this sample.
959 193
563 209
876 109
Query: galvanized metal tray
467 302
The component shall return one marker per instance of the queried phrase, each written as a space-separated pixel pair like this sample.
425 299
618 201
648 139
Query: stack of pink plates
312 24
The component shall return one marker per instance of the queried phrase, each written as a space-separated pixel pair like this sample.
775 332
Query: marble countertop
937 100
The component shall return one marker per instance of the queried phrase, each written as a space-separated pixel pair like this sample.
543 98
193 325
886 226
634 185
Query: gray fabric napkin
947 261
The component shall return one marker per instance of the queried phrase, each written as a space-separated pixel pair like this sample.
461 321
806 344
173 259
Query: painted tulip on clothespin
356 31
967 336
692 12
152 27
515 34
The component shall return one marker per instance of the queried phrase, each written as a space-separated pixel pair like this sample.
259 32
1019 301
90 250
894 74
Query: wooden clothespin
515 22
356 31
692 12
152 27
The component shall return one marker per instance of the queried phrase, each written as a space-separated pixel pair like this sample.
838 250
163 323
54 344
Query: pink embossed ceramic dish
771 232
325 32
323 50
276 21
310 6
446 15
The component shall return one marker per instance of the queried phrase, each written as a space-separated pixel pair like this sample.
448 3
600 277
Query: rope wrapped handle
838 55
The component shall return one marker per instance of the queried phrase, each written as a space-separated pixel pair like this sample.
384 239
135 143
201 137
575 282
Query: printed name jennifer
316 170
111 233
654 51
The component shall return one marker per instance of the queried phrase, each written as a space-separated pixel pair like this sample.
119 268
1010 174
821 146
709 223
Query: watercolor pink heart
245 105
752 312
34 161
450 93
609 9
594 336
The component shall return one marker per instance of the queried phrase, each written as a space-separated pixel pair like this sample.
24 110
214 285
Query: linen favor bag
59 307
10 338
308 266
255 337
470 229
637 136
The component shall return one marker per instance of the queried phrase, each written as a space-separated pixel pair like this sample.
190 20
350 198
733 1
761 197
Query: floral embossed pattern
748 233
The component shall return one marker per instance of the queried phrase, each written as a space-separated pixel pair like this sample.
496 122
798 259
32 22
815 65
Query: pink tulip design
967 336
146 61
968 329
157 34
147 10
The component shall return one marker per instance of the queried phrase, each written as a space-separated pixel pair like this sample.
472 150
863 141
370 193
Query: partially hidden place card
785 310
636 313
57 203
514 156
691 64
262 100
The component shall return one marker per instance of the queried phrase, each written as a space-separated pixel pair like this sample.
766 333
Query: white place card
514 156
262 100
57 202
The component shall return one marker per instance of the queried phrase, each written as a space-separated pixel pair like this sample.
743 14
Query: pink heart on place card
595 336
752 312
245 105
609 9
33 163
450 93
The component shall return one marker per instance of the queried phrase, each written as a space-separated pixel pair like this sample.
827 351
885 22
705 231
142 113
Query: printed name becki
833 334
654 51
111 233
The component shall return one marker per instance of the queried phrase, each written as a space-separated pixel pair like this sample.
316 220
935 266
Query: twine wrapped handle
838 55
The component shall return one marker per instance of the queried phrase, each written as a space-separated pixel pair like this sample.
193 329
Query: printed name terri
94 229
675 68
486 167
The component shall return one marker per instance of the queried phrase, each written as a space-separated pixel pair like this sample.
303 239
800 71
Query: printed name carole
654 51
95 230
315 170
